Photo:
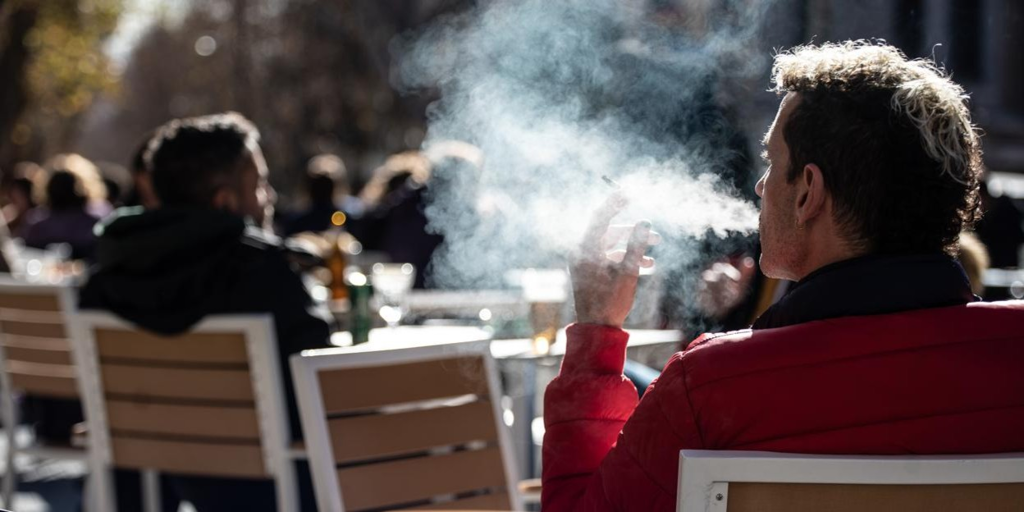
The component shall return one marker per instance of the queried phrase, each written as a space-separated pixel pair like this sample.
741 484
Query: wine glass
391 283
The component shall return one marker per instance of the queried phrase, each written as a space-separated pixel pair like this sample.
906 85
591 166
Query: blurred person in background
205 251
116 181
445 178
328 192
5 235
394 222
20 197
73 200
973 256
878 348
141 193
1001 229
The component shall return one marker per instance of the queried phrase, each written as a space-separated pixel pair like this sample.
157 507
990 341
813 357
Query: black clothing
1002 231
398 227
871 285
166 269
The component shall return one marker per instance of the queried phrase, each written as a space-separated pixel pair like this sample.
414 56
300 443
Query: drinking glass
391 283
546 291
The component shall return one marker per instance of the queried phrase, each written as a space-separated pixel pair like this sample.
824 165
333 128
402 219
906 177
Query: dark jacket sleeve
603 450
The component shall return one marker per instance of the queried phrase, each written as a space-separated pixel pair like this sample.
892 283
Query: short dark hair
893 139
190 159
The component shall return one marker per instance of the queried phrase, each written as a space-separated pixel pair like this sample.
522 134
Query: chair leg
10 479
11 474
151 499
287 487
100 485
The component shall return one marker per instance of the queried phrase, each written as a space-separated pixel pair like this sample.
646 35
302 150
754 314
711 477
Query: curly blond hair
895 131
934 103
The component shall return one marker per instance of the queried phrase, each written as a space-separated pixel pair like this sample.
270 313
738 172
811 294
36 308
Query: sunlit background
93 76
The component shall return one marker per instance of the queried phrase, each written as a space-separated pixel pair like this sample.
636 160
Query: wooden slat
409 480
176 383
43 379
496 501
11 340
376 436
41 369
23 315
45 386
242 461
346 389
39 355
30 301
38 329
184 420
216 348
772 497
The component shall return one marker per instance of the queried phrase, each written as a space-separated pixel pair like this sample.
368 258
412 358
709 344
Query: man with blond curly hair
878 348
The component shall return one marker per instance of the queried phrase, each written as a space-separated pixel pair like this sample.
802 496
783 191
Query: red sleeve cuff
592 348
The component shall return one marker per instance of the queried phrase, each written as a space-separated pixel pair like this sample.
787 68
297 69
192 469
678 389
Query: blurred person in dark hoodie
206 250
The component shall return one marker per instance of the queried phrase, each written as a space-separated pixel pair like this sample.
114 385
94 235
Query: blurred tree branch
52 53
18 19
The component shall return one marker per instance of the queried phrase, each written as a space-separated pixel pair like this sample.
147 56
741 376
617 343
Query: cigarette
611 183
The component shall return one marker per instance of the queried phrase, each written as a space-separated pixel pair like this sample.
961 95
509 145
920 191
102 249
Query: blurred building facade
978 41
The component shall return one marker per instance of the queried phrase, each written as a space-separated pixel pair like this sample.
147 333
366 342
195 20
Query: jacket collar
871 285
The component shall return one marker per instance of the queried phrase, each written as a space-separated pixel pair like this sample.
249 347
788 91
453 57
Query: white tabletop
414 336
523 348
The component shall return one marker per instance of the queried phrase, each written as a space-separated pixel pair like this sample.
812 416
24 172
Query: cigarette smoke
558 93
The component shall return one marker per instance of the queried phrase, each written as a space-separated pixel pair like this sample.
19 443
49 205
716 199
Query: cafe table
525 372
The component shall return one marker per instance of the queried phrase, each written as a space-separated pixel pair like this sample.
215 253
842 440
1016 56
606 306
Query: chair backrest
35 354
206 402
735 481
405 428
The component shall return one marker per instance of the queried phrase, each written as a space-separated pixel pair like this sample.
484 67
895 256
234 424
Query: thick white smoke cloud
558 93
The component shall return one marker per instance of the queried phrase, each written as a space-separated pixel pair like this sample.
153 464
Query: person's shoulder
719 338
261 241
265 246
263 253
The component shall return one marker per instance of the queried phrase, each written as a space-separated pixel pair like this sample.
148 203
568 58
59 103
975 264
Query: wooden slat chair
416 428
734 481
207 403
35 360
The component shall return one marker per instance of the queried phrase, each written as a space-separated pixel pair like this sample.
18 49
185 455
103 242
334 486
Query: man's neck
833 250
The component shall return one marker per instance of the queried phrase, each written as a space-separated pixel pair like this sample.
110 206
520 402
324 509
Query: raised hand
604 284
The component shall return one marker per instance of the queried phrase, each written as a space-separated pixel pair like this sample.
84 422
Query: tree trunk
14 57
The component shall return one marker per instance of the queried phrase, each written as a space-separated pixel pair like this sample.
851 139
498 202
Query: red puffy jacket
932 381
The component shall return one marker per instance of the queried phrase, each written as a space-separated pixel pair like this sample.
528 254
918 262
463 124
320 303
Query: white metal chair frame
261 345
305 369
704 475
8 409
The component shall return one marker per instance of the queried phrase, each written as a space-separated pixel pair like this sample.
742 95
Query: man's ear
811 194
225 199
